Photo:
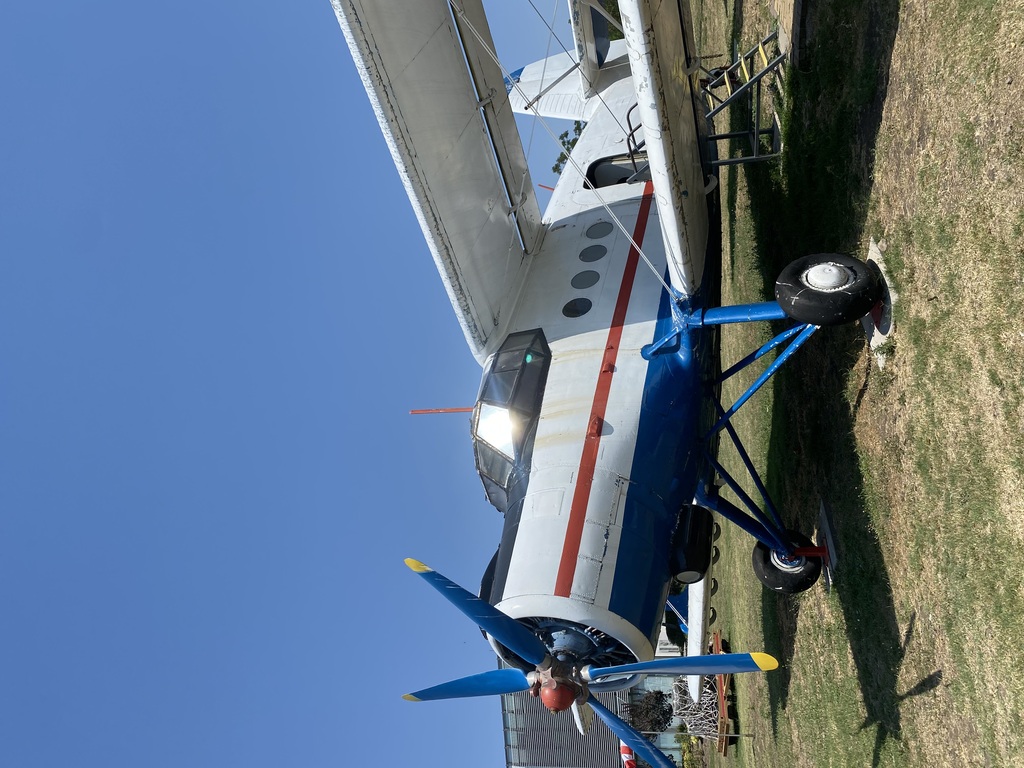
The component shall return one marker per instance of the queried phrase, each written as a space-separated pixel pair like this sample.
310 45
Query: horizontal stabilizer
551 87
548 88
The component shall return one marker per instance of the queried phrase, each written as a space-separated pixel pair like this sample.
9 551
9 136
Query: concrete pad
878 324
787 13
825 538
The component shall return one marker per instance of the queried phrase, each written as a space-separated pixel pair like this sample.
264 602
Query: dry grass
911 131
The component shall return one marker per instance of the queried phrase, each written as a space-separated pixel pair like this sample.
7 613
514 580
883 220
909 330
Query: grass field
905 122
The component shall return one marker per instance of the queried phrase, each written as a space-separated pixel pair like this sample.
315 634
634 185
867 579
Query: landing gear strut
817 290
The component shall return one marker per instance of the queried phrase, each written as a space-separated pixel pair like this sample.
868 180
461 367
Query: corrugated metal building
535 738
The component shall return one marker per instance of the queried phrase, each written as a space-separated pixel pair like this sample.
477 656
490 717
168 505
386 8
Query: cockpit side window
623 169
506 413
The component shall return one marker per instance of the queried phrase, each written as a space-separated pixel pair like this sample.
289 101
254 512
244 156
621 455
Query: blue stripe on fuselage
663 476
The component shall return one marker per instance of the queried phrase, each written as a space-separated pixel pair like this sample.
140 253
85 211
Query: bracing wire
550 131
533 126
547 55
565 50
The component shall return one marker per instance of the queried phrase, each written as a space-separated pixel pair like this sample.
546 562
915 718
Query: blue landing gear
818 290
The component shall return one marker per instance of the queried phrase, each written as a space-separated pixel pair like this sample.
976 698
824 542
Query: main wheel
828 289
786 575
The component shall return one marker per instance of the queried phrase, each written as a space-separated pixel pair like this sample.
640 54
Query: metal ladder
634 147
743 81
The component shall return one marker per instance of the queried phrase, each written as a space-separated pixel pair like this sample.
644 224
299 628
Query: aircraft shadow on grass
815 200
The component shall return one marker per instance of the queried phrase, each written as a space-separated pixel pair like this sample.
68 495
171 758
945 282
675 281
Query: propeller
583 716
498 625
629 735
515 680
716 664
485 684
562 683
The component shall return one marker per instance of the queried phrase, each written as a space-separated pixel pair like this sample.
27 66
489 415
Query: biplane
596 323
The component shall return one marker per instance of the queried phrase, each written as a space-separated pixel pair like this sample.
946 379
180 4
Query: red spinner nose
558 698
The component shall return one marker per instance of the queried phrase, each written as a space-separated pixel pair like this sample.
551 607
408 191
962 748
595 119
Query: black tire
828 289
786 579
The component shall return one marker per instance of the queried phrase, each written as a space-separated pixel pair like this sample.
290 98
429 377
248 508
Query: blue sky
216 309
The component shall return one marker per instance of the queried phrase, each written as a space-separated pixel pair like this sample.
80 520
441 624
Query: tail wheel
828 289
786 575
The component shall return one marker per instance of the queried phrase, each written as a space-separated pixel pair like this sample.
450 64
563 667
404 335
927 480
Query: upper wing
659 34
441 102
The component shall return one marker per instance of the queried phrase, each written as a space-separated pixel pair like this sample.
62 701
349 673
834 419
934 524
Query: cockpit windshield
507 411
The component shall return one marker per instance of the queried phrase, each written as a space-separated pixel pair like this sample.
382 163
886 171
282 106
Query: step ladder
741 83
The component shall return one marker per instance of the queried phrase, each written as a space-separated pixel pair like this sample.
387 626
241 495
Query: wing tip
410 697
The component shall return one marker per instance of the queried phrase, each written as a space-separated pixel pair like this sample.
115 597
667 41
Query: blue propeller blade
502 628
713 664
629 735
485 684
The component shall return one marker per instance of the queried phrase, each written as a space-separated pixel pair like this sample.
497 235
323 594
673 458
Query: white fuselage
587 540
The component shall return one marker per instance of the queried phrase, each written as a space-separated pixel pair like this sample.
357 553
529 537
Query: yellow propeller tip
416 565
764 661
409 697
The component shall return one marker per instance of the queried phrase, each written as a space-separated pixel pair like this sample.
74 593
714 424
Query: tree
567 145
612 6
651 713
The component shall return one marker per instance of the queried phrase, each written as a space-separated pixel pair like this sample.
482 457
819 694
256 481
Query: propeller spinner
561 683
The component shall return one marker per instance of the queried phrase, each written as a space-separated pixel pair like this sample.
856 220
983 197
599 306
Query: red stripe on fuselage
592 440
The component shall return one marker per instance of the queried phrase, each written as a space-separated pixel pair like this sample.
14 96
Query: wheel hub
829 277
786 563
